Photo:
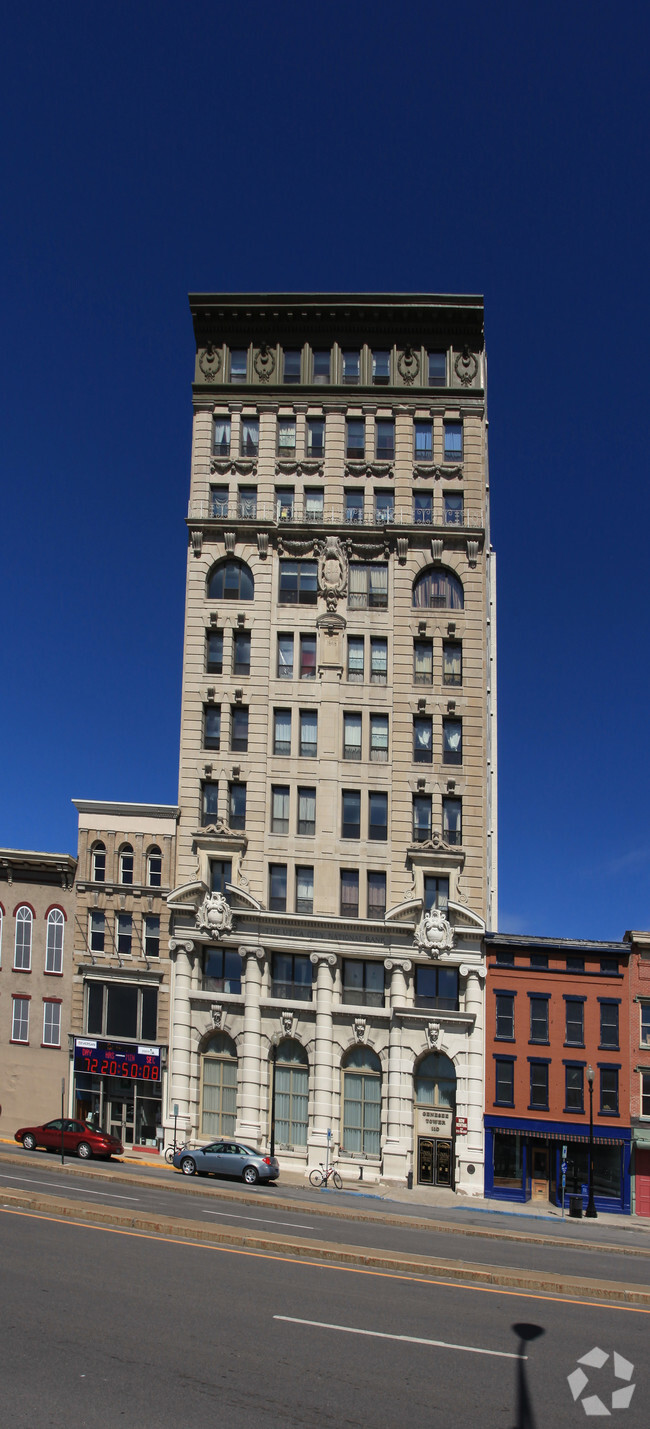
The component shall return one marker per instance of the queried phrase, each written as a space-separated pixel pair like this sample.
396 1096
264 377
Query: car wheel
188 1166
29 1142
84 1151
250 1176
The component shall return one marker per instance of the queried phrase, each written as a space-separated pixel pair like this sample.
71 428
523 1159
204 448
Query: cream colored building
336 858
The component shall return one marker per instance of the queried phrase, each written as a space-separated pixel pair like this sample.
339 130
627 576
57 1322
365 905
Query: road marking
449 1284
268 1220
82 1191
407 1339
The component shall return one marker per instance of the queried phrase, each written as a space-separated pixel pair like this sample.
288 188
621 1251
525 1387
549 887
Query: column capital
478 969
252 952
181 945
328 958
402 965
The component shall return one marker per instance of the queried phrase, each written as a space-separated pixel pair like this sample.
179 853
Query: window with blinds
368 587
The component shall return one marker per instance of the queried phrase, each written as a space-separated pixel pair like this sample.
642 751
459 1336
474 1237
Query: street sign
564 1152
564 1167
175 1108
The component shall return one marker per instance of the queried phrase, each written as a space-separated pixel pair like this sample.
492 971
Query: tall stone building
336 857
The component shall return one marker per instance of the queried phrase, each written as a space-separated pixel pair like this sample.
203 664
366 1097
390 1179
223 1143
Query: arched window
126 863
291 1094
436 589
435 1081
99 862
54 945
23 945
219 1086
231 580
362 1101
154 867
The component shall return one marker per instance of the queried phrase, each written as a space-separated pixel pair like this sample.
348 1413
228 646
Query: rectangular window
97 932
237 806
368 587
452 741
122 1009
51 1024
575 965
351 369
355 659
422 739
247 497
378 661
609 1091
351 736
214 652
315 436
221 436
436 892
421 818
645 1093
298 583
284 503
385 439
609 1024
282 731
285 657
250 436
291 977
278 887
304 889
20 1019
609 966
539 961
423 441
453 441
575 1022
379 738
286 436
504 1090
452 662
314 504
124 932
351 814
378 817
355 438
574 1088
645 1024
381 369
452 821
307 811
423 662
280 794
219 501
241 652
349 902
539 1086
222 971
152 935
363 983
376 905
437 987
505 1016
291 367
220 874
209 801
437 369
212 726
238 365
505 958
538 1019
308 734
422 508
453 508
322 368
308 657
384 507
239 728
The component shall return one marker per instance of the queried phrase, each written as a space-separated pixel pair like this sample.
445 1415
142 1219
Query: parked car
227 1158
76 1137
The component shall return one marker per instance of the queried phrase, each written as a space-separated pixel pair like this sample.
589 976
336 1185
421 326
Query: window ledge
48 973
51 1046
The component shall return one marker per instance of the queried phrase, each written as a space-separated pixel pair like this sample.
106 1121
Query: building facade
120 986
36 914
557 1020
336 859
639 943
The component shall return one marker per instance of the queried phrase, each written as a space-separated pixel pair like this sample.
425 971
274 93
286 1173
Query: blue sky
154 148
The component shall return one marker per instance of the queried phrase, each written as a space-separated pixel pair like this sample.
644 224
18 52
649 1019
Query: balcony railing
331 514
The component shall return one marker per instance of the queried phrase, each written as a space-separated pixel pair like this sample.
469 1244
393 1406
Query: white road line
268 1220
83 1190
407 1339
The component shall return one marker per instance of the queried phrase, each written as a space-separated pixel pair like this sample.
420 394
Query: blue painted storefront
509 1144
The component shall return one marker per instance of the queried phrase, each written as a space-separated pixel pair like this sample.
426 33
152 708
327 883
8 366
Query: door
435 1161
51 1137
443 1163
539 1173
120 1121
642 1182
425 1161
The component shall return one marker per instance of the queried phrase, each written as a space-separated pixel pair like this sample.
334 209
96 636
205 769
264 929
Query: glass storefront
522 1165
126 1108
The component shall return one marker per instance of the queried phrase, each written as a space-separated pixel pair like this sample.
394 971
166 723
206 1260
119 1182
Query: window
436 891
381 369
219 1087
452 821
291 1094
54 944
423 662
645 1024
286 436
609 1024
505 1016
231 580
284 503
221 436
351 736
645 1093
422 739
298 583
452 662
438 590
237 806
422 508
452 741
214 652
209 802
574 1087
575 1022
308 734
436 987
368 587
437 369
504 1091
453 441
282 731
20 1020
376 907
218 500
361 1102
285 657
575 965
126 864
609 1091
23 941
99 863
378 661
222 971
355 438
308 657
122 1009
363 983
51 1024
154 867
505 958
539 961
304 889
355 659
349 901
247 502
278 887
454 508
539 1086
385 439
384 506
152 935
378 816
307 811
238 358
435 1081
241 652
314 504
423 441
315 436
609 966
249 442
351 814
379 738
538 1019
239 728
124 934
220 874
280 809
354 506
97 931
322 368
291 976
351 368
421 818
291 367
212 726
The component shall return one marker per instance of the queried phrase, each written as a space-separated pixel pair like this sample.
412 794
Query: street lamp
591 1208
275 1042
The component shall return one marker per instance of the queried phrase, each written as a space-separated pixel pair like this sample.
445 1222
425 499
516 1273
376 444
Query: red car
75 1137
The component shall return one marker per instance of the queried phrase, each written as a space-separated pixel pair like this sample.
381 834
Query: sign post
175 1124
564 1170
62 1121
327 1159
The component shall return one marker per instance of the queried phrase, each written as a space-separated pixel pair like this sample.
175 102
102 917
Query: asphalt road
101 1327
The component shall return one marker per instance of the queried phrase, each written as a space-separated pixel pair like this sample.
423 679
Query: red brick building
640 1069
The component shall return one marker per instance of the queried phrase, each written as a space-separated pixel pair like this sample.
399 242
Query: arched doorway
219 1086
435 1102
291 1095
361 1102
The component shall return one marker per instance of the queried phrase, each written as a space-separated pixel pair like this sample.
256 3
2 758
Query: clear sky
154 148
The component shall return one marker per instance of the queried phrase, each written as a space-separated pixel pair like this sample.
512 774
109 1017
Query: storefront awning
545 1136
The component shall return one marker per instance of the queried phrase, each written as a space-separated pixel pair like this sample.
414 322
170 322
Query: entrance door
642 1182
443 1163
120 1121
539 1173
435 1161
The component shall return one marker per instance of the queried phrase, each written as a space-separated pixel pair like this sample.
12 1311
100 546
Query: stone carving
197 542
224 466
402 549
472 552
332 570
210 362
359 1026
216 1014
264 363
466 367
408 365
286 1019
295 548
214 916
437 549
428 470
263 544
434 934
369 468
434 1035
367 552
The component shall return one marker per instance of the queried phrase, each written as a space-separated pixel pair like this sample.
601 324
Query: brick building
640 1069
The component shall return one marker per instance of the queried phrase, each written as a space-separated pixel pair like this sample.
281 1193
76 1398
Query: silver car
227 1158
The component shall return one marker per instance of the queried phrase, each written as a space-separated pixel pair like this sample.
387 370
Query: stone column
469 1149
322 1069
398 1139
248 1089
180 1033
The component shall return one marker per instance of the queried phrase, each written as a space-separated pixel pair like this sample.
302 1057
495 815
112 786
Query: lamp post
591 1208
275 1040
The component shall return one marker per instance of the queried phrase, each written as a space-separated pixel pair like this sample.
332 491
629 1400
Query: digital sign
109 1059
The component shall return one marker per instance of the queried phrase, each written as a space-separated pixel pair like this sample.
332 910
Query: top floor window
249 440
221 436
437 369
54 945
298 583
154 867
238 363
351 368
322 368
291 368
437 590
126 864
381 368
368 589
99 863
231 580
23 943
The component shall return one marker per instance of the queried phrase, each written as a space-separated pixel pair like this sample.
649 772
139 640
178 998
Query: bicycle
322 1176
